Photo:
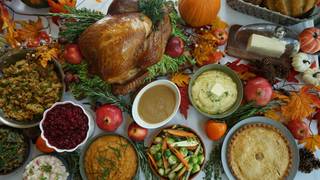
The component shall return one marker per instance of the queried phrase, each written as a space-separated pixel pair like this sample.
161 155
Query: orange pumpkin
198 13
310 40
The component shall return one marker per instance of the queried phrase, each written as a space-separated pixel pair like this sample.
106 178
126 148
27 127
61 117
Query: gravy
157 104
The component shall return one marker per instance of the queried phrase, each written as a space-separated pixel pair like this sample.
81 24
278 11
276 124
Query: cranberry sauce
65 126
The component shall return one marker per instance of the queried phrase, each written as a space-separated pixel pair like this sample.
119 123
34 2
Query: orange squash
310 40
198 13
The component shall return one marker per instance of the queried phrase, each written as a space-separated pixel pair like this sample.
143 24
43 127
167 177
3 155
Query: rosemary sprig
72 159
248 110
168 65
154 9
93 87
76 21
214 165
144 164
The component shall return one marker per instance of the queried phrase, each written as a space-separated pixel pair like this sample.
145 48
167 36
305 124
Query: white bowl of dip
156 104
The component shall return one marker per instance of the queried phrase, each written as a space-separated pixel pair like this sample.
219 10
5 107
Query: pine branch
154 9
93 87
76 21
168 65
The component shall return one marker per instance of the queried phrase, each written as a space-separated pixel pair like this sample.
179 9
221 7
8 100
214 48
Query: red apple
175 47
221 35
258 90
72 54
299 129
136 132
108 117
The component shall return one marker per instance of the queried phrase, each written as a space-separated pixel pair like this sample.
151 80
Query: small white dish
139 120
89 132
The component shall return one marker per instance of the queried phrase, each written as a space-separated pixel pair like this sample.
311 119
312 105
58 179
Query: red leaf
240 68
291 77
184 105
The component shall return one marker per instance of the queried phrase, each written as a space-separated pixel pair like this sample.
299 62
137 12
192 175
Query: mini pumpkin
198 13
301 62
310 40
312 76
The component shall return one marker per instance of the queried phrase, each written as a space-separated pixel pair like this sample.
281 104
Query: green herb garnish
93 87
176 31
46 168
168 65
76 21
144 164
213 165
154 9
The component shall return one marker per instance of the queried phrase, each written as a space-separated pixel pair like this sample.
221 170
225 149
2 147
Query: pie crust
259 151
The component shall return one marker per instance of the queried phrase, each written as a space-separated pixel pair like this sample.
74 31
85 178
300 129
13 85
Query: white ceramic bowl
90 129
138 119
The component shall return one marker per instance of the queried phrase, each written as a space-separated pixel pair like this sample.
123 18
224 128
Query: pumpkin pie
259 151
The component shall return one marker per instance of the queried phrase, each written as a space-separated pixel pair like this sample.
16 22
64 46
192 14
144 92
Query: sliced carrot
164 147
179 133
182 171
179 156
153 162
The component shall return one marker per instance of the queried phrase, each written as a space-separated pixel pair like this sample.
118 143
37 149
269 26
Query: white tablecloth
195 120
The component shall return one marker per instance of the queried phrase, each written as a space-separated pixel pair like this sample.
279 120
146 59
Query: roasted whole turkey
120 47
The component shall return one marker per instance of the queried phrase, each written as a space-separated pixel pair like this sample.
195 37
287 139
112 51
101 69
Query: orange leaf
246 75
58 6
9 26
298 108
312 143
273 114
45 54
279 96
29 30
219 24
180 79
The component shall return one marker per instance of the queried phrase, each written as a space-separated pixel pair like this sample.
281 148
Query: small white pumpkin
312 76
301 62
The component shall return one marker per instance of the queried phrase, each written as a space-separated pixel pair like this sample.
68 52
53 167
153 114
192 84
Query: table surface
195 120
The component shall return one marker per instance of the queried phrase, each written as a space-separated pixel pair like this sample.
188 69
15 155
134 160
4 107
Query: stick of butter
266 46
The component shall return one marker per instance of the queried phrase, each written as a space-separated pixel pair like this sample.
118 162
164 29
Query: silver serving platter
259 119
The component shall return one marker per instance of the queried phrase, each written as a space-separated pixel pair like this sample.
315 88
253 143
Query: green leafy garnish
214 165
168 65
154 9
176 31
144 164
46 168
93 87
76 21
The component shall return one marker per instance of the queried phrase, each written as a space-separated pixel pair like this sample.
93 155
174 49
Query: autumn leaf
276 95
29 30
301 104
312 143
180 79
45 54
58 6
184 104
273 114
9 26
219 24
292 76
243 70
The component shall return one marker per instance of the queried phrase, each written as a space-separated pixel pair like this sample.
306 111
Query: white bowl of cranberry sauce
65 126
